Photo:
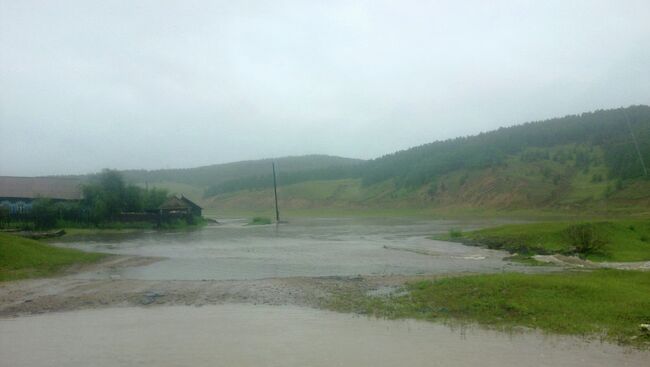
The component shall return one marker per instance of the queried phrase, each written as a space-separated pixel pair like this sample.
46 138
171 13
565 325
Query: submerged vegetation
24 258
607 303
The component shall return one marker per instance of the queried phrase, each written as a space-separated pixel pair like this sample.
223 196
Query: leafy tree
44 213
133 199
154 198
4 215
108 196
113 191
585 238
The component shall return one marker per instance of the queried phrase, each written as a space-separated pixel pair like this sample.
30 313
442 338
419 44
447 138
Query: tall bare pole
636 144
275 191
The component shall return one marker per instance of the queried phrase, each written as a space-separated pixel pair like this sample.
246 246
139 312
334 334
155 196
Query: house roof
178 203
190 202
36 187
173 203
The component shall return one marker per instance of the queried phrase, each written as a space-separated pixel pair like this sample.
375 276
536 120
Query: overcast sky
159 84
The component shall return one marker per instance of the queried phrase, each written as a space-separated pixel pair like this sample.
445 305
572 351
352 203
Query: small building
180 205
18 193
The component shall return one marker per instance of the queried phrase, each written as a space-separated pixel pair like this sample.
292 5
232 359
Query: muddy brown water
304 247
249 335
233 334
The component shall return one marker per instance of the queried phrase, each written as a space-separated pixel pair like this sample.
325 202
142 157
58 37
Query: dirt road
67 293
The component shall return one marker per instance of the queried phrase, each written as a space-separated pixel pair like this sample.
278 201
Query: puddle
248 335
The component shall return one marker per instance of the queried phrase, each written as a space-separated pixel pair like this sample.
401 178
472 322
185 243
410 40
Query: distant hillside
607 130
217 173
578 162
192 182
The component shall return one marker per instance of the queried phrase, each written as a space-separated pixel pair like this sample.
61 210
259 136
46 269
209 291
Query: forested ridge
206 176
610 131
217 173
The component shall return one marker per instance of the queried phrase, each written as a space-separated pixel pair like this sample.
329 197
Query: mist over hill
575 161
218 173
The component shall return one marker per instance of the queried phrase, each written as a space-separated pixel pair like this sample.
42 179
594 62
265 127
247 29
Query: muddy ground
68 293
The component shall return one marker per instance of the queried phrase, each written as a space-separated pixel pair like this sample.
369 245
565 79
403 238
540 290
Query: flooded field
239 295
247 335
303 247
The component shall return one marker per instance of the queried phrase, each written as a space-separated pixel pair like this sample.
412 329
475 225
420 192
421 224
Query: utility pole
275 191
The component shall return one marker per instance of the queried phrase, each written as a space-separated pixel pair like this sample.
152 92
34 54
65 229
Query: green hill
578 163
193 182
217 173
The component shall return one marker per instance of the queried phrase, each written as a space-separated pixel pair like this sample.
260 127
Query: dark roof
174 203
45 187
190 202
178 203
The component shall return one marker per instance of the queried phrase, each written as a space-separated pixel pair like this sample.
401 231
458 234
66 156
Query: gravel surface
68 293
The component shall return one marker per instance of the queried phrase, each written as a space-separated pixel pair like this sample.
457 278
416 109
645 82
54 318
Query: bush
455 233
44 213
585 238
260 220
4 215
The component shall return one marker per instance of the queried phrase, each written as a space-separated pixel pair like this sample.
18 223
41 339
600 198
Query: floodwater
303 247
248 335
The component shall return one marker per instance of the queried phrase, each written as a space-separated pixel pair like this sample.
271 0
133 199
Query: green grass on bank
607 303
25 258
75 231
622 240
417 213
119 228
260 221
76 228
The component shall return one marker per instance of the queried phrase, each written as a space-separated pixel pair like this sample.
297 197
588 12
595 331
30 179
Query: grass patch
525 259
24 258
260 221
608 241
74 229
455 233
608 303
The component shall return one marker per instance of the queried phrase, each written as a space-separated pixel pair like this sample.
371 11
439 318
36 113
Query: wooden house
18 193
177 205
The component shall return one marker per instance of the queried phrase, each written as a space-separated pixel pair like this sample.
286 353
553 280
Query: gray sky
158 84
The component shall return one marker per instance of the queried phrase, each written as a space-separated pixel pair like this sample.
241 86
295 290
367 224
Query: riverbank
25 258
444 213
607 304
313 263
561 303
616 240
77 228
74 292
